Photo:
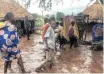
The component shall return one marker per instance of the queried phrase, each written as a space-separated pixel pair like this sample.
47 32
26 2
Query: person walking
49 41
72 37
62 40
8 43
27 27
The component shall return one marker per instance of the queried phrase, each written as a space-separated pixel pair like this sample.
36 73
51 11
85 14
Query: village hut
95 12
17 10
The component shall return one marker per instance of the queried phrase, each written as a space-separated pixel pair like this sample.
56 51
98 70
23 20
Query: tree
47 16
46 20
52 17
39 20
101 1
59 15
35 15
44 4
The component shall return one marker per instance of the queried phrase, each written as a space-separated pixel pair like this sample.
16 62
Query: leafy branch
46 5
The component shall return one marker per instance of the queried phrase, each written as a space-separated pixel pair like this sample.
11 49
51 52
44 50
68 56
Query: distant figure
49 41
8 43
27 27
19 31
72 37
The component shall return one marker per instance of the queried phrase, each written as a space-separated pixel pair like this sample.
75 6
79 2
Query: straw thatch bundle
95 11
67 23
12 6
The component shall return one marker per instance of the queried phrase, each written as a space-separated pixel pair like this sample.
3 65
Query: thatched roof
95 11
12 6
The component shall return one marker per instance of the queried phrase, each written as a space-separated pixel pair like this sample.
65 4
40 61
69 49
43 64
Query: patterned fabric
97 32
8 41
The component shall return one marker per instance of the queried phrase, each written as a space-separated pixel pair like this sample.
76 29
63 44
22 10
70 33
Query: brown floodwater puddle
76 60
79 60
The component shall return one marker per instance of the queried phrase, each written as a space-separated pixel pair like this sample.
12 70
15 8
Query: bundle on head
66 25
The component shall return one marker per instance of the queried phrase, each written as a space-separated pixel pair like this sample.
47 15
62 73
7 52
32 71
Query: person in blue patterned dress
97 36
8 43
97 32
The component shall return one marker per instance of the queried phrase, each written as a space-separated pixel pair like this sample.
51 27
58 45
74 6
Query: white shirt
50 34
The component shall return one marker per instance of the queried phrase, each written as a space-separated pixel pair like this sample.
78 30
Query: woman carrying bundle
62 40
70 30
72 36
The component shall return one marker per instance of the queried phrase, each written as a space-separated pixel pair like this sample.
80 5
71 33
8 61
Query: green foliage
102 1
47 16
35 15
39 20
59 15
45 4
52 17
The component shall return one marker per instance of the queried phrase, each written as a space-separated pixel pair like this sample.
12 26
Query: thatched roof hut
95 11
12 6
18 11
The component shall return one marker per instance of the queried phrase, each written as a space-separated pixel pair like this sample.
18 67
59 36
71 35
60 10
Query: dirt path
32 53
79 60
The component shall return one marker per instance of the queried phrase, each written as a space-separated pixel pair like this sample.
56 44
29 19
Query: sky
77 6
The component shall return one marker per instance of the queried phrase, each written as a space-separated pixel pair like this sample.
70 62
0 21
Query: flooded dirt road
79 60
76 60
32 53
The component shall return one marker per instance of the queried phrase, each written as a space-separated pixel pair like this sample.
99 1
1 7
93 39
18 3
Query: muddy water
32 53
79 60
75 60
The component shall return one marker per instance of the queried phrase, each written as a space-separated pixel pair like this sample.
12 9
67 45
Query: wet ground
79 60
75 60
32 53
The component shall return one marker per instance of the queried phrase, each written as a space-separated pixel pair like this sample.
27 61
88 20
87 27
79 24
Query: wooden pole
85 32
86 27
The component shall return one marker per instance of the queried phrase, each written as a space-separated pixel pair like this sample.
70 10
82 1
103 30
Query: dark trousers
73 41
62 41
28 34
